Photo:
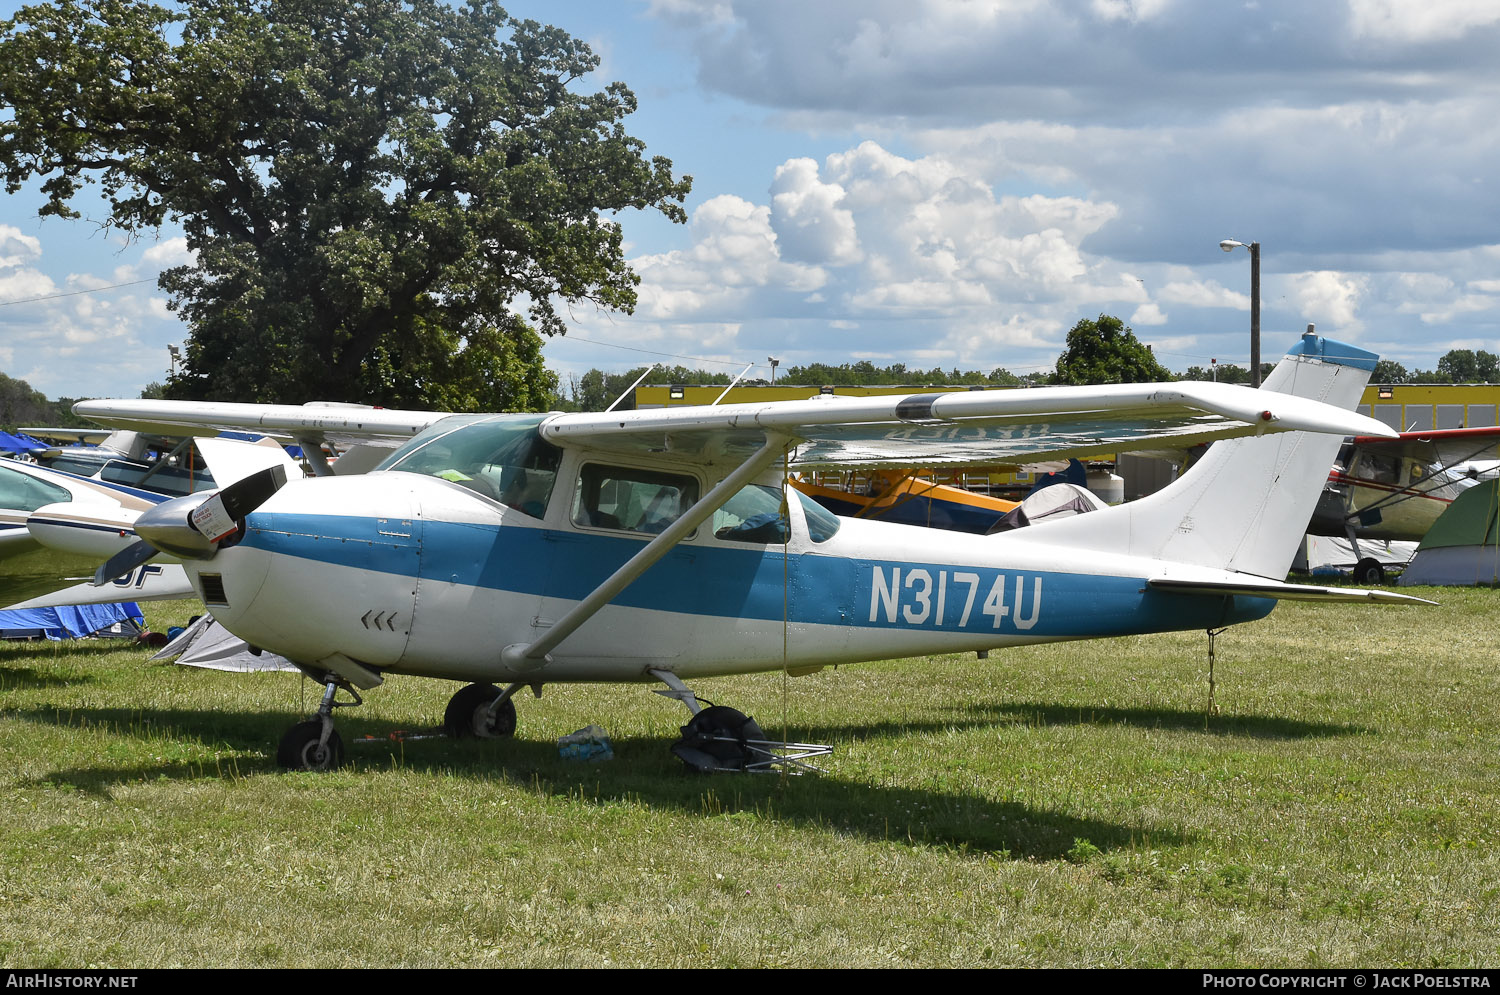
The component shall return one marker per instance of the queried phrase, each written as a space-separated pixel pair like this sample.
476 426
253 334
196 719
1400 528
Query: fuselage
409 573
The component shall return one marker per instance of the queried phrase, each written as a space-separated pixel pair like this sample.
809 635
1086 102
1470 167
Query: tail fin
1245 505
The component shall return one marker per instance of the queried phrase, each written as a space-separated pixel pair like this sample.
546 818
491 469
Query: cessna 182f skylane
664 545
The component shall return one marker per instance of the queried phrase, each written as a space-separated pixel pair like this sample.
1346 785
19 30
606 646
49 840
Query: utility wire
75 293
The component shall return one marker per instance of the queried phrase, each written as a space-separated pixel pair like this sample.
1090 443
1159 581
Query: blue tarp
19 443
69 622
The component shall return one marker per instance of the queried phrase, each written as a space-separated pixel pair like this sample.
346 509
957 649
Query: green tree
1388 371
597 390
1106 351
1468 366
21 404
371 187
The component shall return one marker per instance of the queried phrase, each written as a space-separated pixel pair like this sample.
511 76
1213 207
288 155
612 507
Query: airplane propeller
193 527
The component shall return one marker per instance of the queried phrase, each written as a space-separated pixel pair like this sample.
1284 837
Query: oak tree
385 199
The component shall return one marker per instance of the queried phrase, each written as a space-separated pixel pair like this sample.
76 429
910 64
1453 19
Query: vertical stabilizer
1246 503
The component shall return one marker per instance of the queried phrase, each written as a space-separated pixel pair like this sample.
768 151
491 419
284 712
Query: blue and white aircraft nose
326 567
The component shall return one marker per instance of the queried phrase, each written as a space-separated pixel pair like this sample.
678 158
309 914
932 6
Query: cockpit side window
756 513
616 497
499 456
26 493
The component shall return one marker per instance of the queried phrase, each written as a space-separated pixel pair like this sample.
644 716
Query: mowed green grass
1056 805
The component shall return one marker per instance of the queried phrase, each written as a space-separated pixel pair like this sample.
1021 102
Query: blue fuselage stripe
756 582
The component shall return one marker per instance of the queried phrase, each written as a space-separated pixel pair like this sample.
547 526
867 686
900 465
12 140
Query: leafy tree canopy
1468 366
371 187
23 405
1388 371
597 390
867 373
1226 373
1107 351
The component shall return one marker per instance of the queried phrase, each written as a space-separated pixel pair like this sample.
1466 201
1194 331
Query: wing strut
530 656
312 451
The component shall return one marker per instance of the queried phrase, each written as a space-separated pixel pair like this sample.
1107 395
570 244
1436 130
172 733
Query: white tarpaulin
208 644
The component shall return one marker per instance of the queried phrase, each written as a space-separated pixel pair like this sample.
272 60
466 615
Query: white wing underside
961 428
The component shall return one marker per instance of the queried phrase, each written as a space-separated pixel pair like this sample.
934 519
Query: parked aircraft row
662 546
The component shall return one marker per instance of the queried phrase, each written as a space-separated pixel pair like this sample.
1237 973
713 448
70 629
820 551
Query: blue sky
955 183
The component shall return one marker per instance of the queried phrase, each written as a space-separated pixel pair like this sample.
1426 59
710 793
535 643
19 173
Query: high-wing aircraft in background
56 525
664 545
1394 489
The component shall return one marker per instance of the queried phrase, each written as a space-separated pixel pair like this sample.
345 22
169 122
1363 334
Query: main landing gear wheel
302 748
1369 571
468 714
714 739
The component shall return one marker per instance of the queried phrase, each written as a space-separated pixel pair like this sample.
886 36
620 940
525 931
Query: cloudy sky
951 183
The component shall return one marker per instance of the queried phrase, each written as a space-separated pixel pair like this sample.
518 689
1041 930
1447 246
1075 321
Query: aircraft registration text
985 600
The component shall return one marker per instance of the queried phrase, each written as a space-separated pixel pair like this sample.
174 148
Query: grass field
1057 805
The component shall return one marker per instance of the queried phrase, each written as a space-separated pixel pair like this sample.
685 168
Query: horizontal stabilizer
1258 588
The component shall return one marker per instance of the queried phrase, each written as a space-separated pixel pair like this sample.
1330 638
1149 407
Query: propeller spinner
193 527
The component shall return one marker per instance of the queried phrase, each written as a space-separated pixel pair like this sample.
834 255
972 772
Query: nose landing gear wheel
1369 571
468 714
301 748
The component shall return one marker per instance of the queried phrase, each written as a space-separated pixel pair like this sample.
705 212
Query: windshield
499 456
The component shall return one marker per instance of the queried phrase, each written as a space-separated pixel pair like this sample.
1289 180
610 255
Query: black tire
465 717
1369 571
299 750
714 739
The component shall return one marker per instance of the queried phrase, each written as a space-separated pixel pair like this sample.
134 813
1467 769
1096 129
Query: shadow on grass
67 648
643 772
20 678
1040 713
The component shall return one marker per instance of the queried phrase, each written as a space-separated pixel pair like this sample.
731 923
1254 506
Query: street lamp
1229 245
774 363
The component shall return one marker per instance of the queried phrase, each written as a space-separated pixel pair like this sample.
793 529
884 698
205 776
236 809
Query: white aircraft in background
1385 489
54 524
665 545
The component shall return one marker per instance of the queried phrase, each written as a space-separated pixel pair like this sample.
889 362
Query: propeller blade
123 562
222 514
244 496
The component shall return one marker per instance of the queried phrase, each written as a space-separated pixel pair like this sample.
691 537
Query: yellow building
1416 407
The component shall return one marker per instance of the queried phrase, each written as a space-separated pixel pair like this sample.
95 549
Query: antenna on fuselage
631 387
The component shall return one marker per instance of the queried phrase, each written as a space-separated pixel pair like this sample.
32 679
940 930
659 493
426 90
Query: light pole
774 363
1229 245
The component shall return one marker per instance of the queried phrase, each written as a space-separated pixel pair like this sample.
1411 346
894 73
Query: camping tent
207 644
1463 545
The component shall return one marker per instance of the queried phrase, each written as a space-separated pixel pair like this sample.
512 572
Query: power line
649 352
722 362
75 293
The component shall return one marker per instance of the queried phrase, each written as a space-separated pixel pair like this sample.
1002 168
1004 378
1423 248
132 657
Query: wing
309 424
962 428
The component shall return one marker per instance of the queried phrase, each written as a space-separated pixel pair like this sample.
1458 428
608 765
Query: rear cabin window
758 514
755 514
615 497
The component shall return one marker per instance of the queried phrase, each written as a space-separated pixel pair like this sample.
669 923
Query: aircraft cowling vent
213 590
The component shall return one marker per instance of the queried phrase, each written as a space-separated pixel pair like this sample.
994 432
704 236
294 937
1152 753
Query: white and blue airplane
514 551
